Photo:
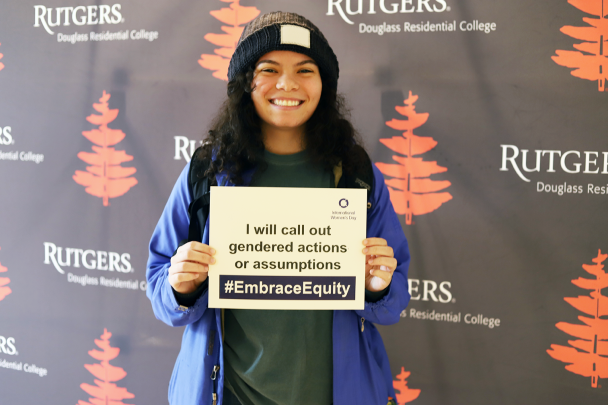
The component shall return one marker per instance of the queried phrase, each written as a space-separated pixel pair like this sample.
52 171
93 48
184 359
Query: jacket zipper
216 368
362 324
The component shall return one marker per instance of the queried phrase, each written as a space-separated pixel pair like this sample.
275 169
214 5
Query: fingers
375 242
377 247
389 262
386 276
184 277
192 257
199 247
178 278
188 267
196 247
186 282
194 252
379 251
379 262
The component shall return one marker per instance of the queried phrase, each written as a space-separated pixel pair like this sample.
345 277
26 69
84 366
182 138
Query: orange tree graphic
411 190
406 394
105 392
591 63
235 17
105 178
4 290
591 358
1 64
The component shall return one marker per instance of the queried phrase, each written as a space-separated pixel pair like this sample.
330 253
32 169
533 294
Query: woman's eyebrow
267 61
304 62
272 62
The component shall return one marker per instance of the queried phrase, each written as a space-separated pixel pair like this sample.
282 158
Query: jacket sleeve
382 222
172 228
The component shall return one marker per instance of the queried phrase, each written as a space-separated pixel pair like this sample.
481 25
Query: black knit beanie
280 31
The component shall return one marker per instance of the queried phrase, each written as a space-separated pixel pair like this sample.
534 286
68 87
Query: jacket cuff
187 300
376 295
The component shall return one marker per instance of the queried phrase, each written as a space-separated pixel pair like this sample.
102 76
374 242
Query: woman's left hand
380 264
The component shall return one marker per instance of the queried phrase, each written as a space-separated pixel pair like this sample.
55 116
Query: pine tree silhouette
105 178
412 192
4 281
105 392
591 63
591 358
234 16
1 64
406 394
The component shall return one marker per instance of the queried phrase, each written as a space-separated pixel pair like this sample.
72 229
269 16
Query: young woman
282 126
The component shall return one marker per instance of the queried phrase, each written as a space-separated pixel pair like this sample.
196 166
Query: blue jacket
361 371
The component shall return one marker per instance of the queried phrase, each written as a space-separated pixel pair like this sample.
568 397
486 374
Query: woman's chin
287 125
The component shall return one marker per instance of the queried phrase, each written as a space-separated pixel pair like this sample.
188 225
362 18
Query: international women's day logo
105 177
588 354
411 189
591 62
235 17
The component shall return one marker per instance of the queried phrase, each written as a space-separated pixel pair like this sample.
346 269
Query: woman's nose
287 82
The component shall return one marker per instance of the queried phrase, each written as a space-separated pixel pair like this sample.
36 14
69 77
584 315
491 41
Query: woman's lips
282 102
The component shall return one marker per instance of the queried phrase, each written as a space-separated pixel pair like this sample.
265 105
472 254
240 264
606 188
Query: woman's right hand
190 266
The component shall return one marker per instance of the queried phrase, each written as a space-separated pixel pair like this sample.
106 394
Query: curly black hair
234 143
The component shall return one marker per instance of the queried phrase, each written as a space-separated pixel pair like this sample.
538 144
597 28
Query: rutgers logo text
7 346
386 7
572 161
426 290
5 136
90 259
185 147
79 15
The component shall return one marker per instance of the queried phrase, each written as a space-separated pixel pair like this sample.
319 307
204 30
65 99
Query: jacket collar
223 179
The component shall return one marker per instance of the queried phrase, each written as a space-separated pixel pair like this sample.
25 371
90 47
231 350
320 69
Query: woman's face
286 89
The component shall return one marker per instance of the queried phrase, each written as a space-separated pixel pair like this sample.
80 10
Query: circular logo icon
343 203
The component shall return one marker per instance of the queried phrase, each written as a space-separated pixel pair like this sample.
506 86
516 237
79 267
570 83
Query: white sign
287 248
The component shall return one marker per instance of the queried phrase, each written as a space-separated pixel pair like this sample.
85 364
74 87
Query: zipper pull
214 373
362 324
214 398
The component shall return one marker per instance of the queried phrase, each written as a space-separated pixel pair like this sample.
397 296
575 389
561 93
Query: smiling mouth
286 103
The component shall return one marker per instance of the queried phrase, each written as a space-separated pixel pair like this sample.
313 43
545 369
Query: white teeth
286 103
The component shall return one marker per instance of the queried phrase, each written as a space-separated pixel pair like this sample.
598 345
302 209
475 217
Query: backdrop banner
488 120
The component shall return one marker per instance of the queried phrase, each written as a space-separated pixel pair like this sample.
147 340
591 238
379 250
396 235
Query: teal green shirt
281 357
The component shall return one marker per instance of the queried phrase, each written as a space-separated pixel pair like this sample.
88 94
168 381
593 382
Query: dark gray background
508 251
